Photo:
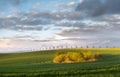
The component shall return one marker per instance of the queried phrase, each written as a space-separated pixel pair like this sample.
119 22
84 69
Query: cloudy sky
32 24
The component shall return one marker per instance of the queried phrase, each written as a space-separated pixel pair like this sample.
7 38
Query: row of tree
63 47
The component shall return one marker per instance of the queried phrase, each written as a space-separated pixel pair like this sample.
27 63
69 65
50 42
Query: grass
39 64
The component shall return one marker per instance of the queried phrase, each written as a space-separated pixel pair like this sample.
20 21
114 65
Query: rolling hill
40 64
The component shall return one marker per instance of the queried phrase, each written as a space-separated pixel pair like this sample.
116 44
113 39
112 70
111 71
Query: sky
34 24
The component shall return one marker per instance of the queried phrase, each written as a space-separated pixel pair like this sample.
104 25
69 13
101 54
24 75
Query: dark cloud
64 24
92 36
22 36
8 4
78 32
70 24
39 20
22 22
99 25
91 31
58 15
99 7
39 28
36 20
11 26
13 2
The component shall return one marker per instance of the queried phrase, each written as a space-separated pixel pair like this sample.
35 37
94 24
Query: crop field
40 64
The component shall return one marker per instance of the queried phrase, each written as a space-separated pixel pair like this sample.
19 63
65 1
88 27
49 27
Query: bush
88 55
74 56
60 58
70 57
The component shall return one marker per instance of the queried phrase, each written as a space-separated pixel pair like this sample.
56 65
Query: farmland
40 64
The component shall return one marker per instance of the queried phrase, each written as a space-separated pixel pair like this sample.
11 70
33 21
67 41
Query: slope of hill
39 64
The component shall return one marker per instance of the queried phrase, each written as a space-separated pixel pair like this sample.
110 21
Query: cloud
41 20
37 20
57 15
90 29
7 4
36 6
80 1
23 22
13 2
71 4
96 8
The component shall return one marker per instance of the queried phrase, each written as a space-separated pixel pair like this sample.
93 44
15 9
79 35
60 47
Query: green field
39 64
